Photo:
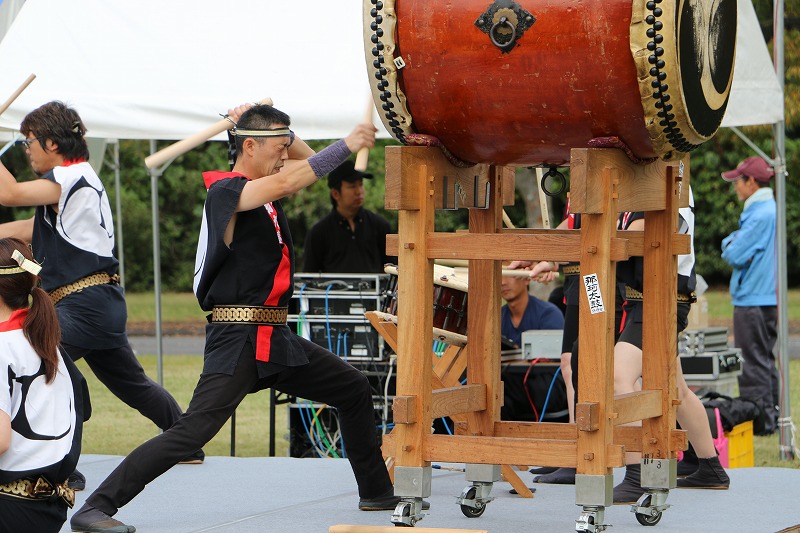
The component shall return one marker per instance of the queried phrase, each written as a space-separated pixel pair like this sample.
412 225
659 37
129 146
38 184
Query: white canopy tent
165 70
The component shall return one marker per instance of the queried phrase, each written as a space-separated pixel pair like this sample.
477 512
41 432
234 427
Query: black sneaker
91 520
386 502
196 458
76 481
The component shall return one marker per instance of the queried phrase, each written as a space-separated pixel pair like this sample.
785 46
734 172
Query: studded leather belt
571 270
100 278
38 489
252 314
636 296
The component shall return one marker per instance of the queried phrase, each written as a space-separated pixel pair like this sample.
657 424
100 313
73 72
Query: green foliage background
181 191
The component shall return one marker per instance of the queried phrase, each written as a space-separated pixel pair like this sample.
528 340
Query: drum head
686 52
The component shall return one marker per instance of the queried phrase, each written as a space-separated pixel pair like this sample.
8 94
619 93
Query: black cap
346 172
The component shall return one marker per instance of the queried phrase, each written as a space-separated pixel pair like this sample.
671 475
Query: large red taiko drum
521 83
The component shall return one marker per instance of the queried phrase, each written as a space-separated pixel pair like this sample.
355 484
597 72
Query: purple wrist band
329 158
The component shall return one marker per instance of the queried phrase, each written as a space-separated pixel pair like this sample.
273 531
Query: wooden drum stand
603 183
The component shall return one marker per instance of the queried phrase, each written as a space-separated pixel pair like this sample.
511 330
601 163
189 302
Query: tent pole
753 146
779 136
154 175
118 191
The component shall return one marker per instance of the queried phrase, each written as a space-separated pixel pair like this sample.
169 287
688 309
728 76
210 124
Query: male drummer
351 238
72 235
243 277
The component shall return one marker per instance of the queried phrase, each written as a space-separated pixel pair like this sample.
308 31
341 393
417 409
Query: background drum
449 298
521 83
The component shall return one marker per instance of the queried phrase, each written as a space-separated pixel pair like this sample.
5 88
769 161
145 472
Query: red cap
754 167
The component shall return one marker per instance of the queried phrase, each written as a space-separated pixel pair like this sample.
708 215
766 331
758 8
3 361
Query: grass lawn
116 429
105 434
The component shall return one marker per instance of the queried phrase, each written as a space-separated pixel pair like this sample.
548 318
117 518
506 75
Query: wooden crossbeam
506 246
635 406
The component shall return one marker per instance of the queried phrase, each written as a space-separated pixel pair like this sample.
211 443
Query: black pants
755 332
326 379
120 371
39 516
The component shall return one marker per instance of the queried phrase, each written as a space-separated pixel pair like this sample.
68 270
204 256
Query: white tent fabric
756 96
165 70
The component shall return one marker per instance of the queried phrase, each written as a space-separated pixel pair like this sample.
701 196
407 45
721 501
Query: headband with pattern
23 265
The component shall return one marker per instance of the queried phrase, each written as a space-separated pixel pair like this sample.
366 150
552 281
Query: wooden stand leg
447 370
603 183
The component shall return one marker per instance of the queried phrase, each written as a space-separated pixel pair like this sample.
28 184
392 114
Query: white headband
25 265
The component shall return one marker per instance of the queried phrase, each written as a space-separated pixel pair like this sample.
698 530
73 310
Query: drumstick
516 273
16 93
507 220
181 147
363 154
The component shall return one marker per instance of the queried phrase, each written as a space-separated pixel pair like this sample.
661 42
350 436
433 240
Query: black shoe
91 520
562 476
196 458
543 470
514 491
687 468
709 475
386 502
76 481
630 490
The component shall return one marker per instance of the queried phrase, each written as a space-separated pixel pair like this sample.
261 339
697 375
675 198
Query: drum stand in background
603 183
447 371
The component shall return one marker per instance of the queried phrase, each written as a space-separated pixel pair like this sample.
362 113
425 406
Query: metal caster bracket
408 512
591 519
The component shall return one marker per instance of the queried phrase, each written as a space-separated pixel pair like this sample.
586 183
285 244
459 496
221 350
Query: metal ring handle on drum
510 44
558 177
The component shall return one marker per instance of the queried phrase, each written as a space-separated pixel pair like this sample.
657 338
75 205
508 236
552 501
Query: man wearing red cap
750 250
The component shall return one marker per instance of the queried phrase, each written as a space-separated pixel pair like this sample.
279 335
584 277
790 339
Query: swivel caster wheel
474 499
474 510
651 505
649 519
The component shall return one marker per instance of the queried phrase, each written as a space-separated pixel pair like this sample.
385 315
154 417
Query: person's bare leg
627 375
692 417
566 373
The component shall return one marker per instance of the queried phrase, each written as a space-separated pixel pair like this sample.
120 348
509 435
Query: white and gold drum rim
443 276
380 26
670 38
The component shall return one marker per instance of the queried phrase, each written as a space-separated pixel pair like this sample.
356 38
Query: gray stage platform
228 494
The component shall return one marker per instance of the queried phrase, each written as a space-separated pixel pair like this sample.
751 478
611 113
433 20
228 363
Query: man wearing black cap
750 250
350 239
